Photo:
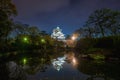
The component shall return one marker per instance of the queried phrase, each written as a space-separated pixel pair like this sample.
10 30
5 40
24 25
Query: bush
102 45
97 56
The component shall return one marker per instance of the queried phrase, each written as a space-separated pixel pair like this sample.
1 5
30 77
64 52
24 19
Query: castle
57 34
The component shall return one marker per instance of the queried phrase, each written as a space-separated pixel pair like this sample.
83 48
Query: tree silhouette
104 21
7 10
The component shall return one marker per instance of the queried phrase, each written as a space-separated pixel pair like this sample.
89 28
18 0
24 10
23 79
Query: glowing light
24 61
25 39
73 37
74 62
43 40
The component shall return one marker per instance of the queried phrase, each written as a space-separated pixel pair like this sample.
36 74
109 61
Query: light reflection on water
66 66
59 62
61 68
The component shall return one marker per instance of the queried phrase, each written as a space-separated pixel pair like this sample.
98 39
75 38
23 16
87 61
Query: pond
56 66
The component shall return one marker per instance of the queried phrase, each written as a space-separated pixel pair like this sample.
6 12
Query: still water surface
58 66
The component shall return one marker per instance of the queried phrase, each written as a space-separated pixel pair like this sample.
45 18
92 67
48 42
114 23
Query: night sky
67 14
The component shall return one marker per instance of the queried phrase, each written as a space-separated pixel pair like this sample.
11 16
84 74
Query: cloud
30 7
53 12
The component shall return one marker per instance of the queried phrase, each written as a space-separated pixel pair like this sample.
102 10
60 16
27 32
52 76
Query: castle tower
57 34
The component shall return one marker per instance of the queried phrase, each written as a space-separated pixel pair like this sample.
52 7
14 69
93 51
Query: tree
7 10
68 36
20 28
43 33
8 7
4 24
104 21
33 31
114 25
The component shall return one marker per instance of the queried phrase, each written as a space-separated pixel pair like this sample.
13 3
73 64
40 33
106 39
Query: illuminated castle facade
57 34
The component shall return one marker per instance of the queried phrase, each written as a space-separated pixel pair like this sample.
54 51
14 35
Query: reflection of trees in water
26 63
42 62
16 69
100 69
36 64
4 73
11 71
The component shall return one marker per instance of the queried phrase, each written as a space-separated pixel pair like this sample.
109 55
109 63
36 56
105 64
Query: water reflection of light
70 58
58 63
74 62
24 61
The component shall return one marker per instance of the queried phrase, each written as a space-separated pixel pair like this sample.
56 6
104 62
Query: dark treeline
100 34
